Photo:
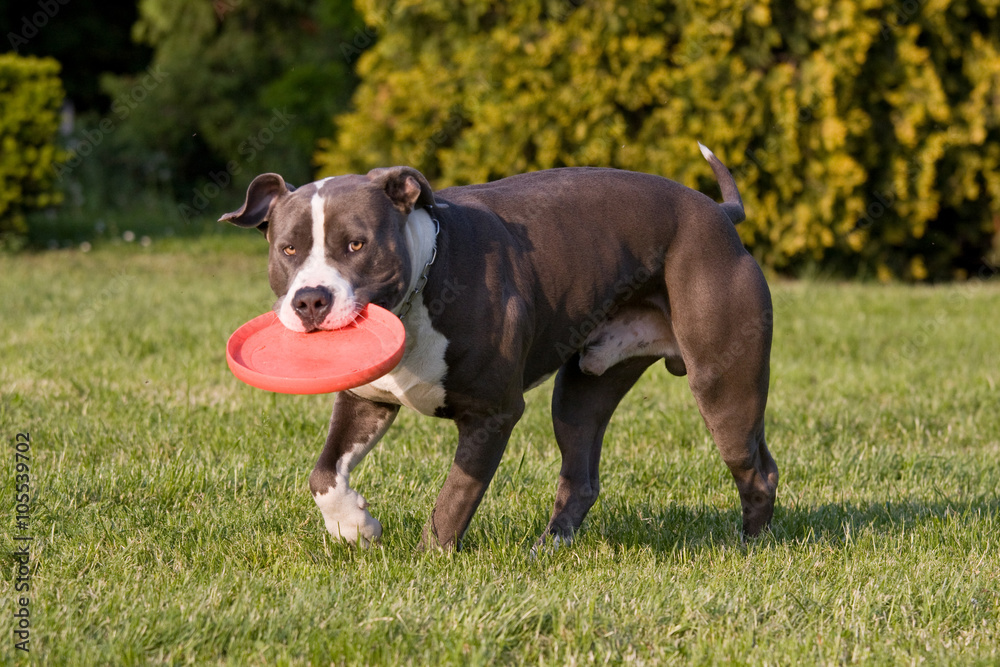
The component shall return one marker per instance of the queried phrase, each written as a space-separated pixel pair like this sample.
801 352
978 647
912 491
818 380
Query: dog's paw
345 513
362 531
549 543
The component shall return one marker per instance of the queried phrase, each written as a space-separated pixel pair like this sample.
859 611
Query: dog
590 274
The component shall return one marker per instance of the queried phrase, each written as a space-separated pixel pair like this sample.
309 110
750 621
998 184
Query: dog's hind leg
582 406
726 349
736 421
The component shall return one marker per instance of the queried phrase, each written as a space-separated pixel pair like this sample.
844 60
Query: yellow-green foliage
30 96
862 133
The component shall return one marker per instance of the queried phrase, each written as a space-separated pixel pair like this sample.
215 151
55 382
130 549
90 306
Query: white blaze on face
317 272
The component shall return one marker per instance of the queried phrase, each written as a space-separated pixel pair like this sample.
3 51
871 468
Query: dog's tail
732 202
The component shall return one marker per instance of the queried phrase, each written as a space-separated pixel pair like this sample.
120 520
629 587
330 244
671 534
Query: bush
235 87
863 135
30 98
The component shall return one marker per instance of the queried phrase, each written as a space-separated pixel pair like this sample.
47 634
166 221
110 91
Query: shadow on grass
667 529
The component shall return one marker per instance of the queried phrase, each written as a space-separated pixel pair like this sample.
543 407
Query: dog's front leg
355 427
482 439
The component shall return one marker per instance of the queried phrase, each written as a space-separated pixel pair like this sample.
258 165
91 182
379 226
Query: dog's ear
405 186
263 192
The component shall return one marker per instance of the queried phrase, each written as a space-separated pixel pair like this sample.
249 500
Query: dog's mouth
309 310
333 323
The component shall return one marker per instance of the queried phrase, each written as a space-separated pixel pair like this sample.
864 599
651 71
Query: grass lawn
172 523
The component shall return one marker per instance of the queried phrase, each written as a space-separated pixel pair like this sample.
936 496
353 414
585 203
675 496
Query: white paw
549 544
360 531
346 516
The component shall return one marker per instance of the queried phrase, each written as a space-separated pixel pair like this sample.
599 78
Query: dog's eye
288 250
356 246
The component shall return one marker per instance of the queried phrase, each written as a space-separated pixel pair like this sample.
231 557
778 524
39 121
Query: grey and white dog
589 274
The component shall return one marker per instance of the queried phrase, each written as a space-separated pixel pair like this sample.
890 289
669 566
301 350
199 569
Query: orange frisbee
265 354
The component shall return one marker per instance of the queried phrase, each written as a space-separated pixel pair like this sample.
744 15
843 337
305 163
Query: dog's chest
418 381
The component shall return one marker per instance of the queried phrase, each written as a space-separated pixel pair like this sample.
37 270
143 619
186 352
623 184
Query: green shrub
235 87
864 135
30 97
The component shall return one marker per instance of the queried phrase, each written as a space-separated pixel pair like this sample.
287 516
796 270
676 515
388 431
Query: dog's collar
427 267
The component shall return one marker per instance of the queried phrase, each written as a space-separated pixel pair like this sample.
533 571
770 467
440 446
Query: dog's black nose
312 305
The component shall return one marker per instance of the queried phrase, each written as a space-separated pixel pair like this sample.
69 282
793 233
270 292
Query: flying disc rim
264 354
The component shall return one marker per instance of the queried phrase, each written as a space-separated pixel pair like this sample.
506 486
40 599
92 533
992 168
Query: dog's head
341 243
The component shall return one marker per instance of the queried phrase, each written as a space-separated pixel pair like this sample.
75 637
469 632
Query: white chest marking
418 381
